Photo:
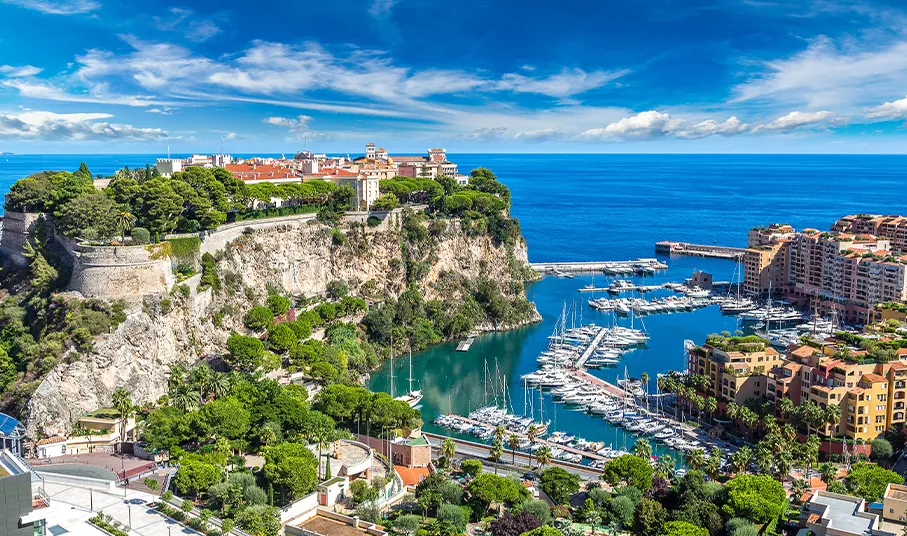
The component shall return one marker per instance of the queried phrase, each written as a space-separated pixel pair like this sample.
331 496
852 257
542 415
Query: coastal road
479 451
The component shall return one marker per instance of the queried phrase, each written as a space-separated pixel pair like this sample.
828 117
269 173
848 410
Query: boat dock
608 267
591 348
464 346
584 453
609 388
699 250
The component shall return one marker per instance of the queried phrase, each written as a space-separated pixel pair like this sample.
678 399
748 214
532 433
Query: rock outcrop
301 257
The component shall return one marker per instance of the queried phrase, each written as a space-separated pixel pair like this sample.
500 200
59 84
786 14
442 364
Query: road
479 451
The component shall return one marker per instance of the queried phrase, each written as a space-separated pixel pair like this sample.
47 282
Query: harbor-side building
833 514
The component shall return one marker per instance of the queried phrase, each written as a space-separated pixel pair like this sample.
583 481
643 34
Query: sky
595 76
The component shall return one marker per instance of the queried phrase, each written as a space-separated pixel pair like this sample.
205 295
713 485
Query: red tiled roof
50 440
412 475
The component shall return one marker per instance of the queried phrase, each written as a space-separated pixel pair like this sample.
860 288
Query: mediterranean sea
612 207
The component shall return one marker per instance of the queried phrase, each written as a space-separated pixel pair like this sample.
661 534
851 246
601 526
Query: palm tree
828 472
732 410
177 376
713 464
532 432
122 401
765 458
696 459
499 432
184 398
740 460
125 221
786 407
201 378
784 461
513 442
594 518
665 466
644 378
543 455
799 487
643 449
832 415
448 449
496 451
711 405
220 384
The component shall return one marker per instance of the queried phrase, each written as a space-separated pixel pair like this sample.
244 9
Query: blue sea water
615 207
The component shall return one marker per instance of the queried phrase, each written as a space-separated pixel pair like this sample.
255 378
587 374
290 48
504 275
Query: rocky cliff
299 257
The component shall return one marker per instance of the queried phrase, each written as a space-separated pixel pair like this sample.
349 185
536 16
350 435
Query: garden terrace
747 345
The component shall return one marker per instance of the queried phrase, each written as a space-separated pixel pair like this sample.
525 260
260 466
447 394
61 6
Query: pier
608 267
699 250
591 348
464 346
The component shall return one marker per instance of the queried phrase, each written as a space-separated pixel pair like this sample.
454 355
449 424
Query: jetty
641 266
699 250
591 348
464 346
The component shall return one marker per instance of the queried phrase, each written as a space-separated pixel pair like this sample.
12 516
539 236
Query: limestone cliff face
300 257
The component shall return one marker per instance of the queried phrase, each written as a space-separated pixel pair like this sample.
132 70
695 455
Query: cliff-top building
846 271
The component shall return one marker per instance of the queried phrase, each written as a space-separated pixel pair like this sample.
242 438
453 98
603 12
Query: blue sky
695 76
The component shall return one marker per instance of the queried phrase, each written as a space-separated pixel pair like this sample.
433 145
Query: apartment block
737 372
844 272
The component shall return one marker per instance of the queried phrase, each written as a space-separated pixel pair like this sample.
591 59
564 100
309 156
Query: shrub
140 235
278 304
259 318
471 467
373 221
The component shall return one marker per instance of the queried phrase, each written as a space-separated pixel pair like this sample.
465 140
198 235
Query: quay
472 449
699 250
591 348
597 266
587 454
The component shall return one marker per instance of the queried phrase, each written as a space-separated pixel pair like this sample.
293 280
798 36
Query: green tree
448 449
292 468
649 519
543 455
882 451
407 524
195 476
558 484
281 338
472 468
869 481
828 472
93 211
488 488
259 520
122 401
629 470
454 516
246 353
278 304
758 498
225 417
543 531
259 318
642 449
386 202
682 528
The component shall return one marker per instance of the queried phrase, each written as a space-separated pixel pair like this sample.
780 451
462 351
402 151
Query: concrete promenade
699 250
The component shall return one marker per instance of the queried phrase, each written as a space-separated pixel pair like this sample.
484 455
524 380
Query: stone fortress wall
130 272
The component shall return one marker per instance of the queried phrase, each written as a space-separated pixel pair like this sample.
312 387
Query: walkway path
592 346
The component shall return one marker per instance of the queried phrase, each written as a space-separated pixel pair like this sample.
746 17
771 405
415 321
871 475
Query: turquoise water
615 207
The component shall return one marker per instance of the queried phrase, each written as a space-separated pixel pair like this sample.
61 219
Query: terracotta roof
874 378
412 475
49 440
803 351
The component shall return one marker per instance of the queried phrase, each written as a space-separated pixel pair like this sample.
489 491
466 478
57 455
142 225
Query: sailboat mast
410 369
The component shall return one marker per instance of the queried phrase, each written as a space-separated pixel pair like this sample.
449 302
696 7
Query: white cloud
184 20
710 127
56 7
567 83
166 110
642 125
826 75
12 71
98 94
653 124
232 136
889 110
297 126
381 8
542 134
796 120
47 126
485 134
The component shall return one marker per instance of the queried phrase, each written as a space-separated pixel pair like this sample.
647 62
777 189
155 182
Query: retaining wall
17 226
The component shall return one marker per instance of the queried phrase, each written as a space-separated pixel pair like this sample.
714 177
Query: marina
667 247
